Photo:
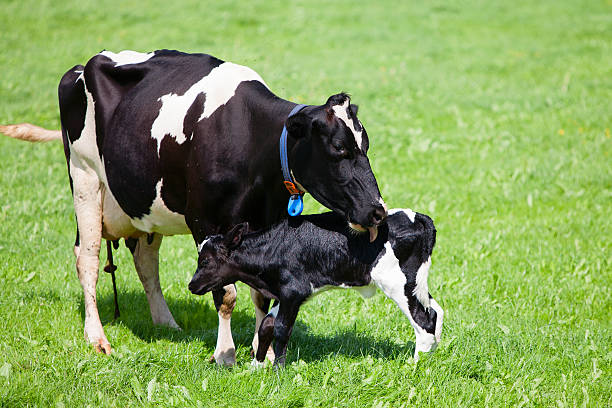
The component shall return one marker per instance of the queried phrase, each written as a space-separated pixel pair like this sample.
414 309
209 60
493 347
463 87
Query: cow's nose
377 215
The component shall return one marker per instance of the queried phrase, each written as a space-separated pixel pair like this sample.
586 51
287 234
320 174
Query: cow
166 143
300 257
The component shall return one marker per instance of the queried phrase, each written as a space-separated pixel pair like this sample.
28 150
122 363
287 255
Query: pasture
492 117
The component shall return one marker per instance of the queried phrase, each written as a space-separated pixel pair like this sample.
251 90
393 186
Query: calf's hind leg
88 208
261 304
146 261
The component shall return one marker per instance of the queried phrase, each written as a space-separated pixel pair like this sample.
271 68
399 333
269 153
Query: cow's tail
30 133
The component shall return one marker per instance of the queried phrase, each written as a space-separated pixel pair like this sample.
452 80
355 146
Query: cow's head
329 160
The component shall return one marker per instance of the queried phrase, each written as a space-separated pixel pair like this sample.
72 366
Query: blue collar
296 205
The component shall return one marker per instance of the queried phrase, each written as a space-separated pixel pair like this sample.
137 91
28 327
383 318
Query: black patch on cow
73 105
131 243
193 116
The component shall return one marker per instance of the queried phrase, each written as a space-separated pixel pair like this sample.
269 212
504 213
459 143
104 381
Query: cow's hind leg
88 208
225 300
146 261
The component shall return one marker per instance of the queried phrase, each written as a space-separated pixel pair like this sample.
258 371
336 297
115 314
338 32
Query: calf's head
215 266
329 159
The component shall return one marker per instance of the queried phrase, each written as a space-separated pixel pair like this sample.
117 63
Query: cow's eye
339 149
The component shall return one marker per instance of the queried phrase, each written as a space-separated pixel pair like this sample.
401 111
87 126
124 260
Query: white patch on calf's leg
421 291
388 276
274 311
146 261
439 318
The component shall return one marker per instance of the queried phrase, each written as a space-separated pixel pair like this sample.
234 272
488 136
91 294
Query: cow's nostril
378 215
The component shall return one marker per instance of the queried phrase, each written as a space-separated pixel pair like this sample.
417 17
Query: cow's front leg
87 199
261 304
146 261
225 300
283 327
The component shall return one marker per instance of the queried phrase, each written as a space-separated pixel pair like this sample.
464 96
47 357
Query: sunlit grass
492 117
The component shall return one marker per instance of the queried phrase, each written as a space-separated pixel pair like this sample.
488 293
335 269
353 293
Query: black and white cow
171 143
299 257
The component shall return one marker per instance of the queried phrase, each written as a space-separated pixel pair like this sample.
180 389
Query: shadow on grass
199 321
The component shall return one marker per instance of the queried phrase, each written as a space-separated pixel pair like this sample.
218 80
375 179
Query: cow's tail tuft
30 133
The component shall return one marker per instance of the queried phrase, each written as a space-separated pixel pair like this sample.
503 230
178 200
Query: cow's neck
266 201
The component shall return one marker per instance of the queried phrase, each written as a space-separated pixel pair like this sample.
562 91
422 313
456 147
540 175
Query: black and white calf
298 257
169 143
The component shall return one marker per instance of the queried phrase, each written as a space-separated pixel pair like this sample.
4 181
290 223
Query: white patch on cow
411 214
201 245
421 291
80 77
219 86
161 219
127 57
382 202
342 114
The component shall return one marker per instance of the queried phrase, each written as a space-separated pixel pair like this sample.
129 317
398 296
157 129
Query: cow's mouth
373 230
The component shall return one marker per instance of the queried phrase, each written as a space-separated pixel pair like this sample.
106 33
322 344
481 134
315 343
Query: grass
492 117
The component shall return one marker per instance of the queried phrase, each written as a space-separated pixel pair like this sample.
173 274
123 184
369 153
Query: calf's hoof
103 347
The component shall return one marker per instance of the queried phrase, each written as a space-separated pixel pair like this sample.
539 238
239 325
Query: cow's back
131 117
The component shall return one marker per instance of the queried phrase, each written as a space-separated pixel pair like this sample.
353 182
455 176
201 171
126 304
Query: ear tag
296 205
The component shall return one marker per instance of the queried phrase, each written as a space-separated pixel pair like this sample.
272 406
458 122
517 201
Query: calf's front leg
283 327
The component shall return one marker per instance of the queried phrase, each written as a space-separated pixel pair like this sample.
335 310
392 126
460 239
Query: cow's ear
354 109
298 125
234 237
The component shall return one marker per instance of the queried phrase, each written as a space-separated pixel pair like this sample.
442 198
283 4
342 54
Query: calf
298 257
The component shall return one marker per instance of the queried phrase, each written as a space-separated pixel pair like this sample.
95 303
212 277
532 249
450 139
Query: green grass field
492 117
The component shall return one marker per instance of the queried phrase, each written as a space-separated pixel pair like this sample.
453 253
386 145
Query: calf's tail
30 133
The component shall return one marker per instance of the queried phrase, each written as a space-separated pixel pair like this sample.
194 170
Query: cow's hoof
257 364
103 347
225 358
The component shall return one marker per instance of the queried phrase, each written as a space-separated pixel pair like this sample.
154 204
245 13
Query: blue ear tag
296 205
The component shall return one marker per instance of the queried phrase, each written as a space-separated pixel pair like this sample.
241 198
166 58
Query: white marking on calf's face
219 86
127 57
201 245
341 112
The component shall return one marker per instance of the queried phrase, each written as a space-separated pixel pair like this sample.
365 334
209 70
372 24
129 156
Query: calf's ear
234 237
